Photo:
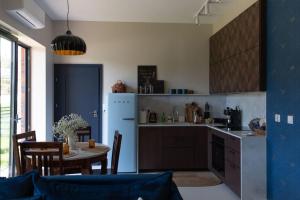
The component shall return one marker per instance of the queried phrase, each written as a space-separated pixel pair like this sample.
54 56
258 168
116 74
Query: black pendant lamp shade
68 44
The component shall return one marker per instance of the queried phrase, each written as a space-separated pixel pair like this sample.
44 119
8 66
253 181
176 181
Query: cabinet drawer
234 143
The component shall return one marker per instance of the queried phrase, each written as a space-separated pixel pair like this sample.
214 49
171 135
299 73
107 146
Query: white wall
180 51
38 92
231 10
44 77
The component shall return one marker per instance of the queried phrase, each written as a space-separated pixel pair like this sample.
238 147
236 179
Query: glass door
6 104
14 100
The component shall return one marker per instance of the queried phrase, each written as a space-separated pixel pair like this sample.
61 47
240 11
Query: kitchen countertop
239 134
173 124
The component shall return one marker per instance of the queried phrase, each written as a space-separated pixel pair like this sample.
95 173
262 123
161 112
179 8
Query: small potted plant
67 126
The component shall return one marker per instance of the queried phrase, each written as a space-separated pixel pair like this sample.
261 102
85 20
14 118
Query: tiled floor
208 193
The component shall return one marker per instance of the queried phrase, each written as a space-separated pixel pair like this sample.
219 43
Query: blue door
78 89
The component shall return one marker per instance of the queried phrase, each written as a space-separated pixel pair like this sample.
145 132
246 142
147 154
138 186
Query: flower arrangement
67 126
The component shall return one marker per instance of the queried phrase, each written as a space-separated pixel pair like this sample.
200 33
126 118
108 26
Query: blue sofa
31 186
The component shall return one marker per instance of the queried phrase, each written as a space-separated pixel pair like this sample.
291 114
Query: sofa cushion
52 190
18 187
121 187
156 188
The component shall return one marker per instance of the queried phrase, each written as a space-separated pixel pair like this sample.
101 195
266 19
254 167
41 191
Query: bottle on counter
169 119
141 89
163 118
206 111
175 114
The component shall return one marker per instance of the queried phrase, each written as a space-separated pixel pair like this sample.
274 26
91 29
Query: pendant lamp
68 44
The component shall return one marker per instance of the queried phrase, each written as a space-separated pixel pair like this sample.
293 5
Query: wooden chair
28 136
115 155
84 132
46 157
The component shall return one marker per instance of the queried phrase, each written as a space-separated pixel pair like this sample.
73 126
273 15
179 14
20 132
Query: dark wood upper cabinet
236 54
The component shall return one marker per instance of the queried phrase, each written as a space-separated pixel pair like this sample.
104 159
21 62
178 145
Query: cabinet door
185 148
178 148
201 155
232 164
209 149
233 177
236 56
150 147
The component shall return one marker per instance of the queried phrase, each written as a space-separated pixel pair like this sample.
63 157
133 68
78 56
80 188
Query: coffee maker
233 118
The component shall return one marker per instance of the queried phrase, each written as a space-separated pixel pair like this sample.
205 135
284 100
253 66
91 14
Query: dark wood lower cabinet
190 148
173 148
233 164
150 149
233 177
178 158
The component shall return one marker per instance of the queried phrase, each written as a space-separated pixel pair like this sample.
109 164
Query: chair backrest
84 132
116 152
46 157
28 136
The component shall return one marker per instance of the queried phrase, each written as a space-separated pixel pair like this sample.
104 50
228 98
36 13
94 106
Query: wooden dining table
84 157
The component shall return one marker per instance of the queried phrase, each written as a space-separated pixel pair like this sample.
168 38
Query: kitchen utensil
181 118
143 117
152 117
206 111
119 87
179 91
172 91
163 118
234 118
192 110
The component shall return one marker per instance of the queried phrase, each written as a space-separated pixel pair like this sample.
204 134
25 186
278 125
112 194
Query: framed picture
146 73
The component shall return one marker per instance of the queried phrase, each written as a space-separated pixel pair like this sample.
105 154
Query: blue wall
283 97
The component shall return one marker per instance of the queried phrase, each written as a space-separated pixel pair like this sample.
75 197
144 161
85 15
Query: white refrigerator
122 116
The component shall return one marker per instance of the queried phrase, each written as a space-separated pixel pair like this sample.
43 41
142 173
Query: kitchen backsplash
252 105
166 104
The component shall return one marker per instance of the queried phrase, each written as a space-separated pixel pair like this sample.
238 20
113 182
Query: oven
218 154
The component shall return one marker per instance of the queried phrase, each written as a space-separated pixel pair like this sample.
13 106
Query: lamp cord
68 15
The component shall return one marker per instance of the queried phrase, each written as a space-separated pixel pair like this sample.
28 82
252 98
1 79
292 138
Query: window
23 114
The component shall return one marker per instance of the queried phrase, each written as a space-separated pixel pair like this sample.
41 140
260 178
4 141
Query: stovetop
243 128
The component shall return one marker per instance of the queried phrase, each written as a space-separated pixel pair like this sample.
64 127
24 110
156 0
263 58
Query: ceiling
160 11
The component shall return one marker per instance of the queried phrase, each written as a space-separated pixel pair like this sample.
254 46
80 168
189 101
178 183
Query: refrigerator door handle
129 119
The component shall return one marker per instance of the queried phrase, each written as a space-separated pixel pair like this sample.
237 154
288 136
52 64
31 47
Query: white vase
72 142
